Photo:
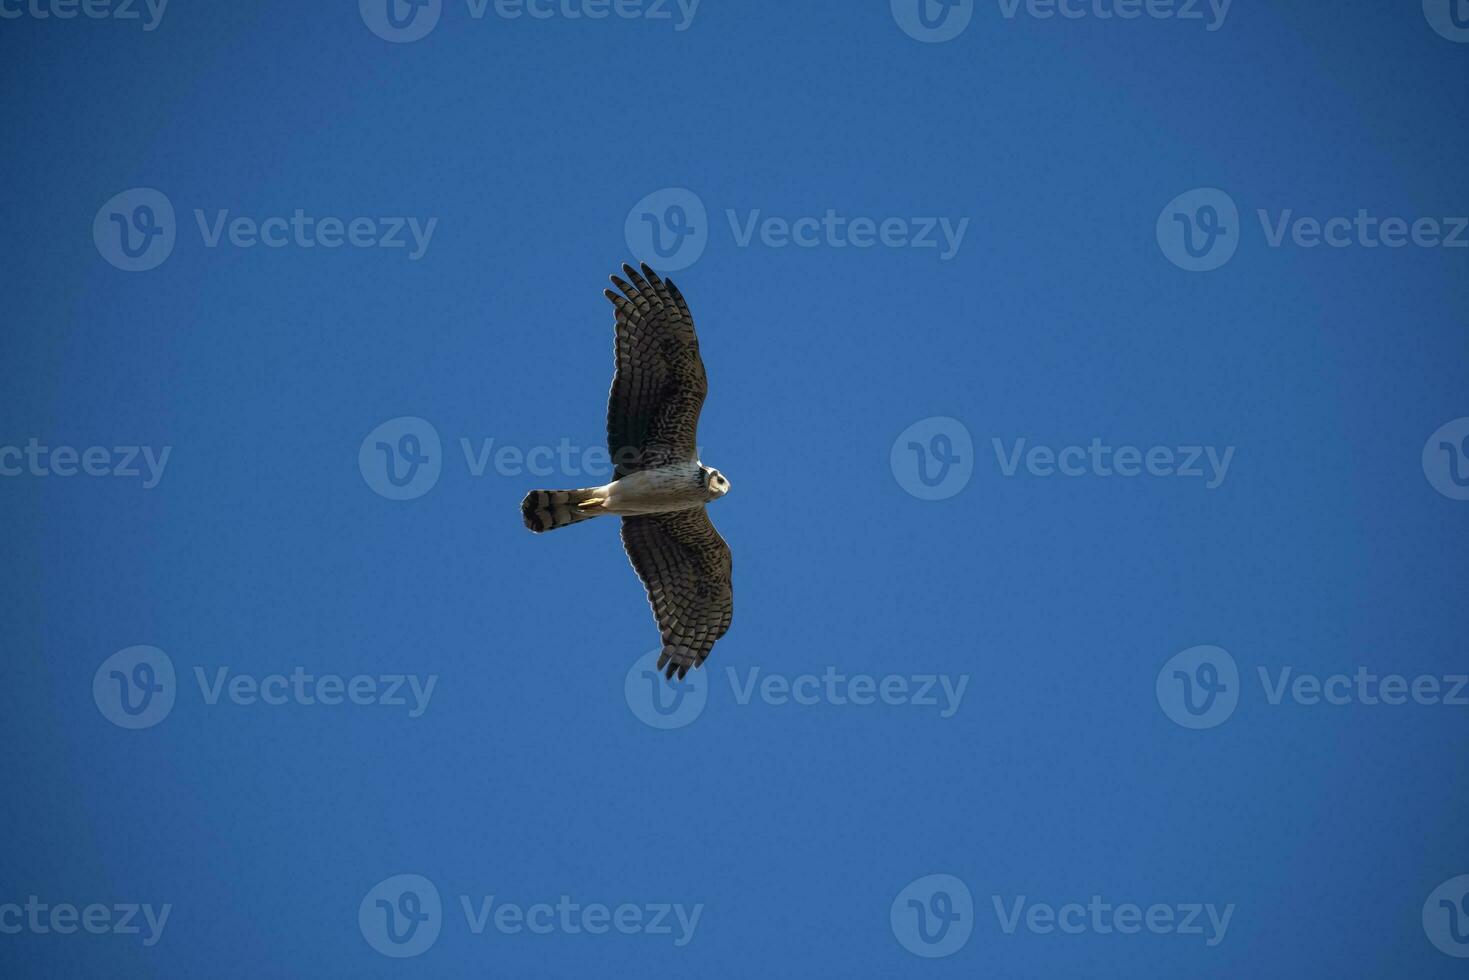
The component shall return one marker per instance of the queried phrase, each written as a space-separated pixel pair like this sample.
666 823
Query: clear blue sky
524 149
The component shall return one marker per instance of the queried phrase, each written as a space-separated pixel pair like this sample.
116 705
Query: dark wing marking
659 387
685 566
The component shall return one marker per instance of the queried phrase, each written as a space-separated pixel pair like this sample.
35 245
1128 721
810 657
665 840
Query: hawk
659 486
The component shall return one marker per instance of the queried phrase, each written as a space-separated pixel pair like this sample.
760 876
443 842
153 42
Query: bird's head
715 485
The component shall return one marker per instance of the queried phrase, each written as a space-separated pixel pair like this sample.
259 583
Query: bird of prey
660 488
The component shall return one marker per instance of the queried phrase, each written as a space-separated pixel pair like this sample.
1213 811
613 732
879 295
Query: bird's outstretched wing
685 566
659 387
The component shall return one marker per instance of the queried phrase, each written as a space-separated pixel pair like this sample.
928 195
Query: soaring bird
660 488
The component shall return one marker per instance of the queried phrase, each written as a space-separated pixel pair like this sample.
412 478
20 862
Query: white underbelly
654 492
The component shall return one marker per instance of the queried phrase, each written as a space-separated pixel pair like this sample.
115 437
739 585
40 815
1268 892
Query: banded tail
546 510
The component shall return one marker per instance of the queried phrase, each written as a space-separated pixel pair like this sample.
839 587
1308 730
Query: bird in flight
659 486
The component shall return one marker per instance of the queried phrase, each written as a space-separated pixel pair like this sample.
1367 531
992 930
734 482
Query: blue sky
1092 391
